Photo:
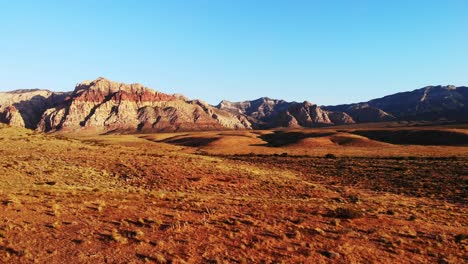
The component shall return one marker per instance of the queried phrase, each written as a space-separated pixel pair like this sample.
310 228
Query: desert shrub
460 237
345 213
390 212
354 199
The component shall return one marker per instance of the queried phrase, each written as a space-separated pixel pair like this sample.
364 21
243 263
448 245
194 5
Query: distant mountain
260 113
431 103
268 113
103 105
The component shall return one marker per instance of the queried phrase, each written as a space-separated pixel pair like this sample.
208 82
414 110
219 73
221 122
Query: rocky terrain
24 108
110 106
106 106
269 113
432 103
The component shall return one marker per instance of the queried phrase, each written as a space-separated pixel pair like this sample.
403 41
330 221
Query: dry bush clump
345 213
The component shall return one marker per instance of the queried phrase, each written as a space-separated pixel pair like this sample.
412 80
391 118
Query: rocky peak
104 89
22 91
106 105
265 112
267 101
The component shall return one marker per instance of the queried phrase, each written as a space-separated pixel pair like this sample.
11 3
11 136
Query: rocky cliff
105 105
24 108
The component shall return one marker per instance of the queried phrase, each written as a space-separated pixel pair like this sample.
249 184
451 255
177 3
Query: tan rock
111 106
24 108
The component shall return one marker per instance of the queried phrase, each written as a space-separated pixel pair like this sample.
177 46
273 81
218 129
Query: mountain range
106 106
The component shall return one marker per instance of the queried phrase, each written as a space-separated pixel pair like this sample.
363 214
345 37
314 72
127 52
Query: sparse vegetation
124 198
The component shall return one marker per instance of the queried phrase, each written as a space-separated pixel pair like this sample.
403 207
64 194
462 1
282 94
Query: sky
323 51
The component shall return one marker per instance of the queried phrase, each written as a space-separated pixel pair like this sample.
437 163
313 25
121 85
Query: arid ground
339 195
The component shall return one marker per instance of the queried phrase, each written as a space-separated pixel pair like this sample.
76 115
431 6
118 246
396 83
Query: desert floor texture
328 195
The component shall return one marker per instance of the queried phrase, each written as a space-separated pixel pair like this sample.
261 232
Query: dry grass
130 199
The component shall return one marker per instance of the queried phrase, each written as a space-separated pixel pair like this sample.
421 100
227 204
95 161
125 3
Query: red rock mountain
105 105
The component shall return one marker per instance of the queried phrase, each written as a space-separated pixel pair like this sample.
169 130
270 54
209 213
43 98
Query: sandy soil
314 196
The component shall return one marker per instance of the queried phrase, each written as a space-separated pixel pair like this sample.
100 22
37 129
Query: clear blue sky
327 52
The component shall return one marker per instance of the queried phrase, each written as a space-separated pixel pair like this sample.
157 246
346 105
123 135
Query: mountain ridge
106 106
429 103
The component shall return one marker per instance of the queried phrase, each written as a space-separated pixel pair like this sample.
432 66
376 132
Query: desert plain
389 193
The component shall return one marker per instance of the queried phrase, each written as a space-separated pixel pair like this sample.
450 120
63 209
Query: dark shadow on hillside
190 141
32 110
284 138
416 137
95 107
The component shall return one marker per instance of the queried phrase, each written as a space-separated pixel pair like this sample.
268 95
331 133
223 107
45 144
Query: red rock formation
24 108
111 106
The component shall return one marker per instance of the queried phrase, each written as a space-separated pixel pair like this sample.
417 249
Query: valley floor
232 197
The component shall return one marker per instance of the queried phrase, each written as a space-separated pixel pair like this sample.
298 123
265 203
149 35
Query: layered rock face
260 113
24 108
270 113
310 115
104 105
11 116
